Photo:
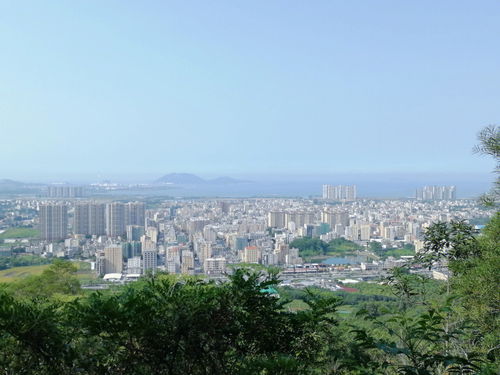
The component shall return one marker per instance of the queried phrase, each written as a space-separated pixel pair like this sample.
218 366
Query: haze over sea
381 185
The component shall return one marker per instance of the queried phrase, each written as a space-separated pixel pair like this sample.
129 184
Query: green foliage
170 325
398 253
489 144
474 262
421 344
453 241
163 325
58 278
423 336
341 244
410 289
315 247
375 247
32 340
476 280
19 232
25 260
309 246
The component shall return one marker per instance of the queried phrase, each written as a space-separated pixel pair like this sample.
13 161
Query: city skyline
374 185
126 239
246 88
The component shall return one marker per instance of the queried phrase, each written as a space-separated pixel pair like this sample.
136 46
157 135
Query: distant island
10 183
191 179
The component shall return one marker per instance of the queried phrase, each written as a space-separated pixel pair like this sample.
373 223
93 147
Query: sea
382 186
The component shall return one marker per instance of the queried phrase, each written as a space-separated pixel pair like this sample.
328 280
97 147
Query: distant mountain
191 179
5 182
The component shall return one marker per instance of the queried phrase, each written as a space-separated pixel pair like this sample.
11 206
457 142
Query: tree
475 281
166 325
59 277
474 261
453 241
417 338
489 144
415 344
376 248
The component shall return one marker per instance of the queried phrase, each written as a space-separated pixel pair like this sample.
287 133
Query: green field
84 274
19 233
16 273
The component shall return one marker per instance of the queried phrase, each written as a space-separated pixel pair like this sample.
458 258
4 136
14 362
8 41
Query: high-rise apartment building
432 193
119 215
209 234
97 219
113 259
187 264
65 191
100 263
81 219
365 231
333 218
196 225
134 266
134 232
149 261
214 266
276 219
53 222
345 193
299 218
131 249
152 233
115 219
252 254
135 213
90 219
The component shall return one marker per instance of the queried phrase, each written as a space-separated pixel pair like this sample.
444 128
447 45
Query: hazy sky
232 87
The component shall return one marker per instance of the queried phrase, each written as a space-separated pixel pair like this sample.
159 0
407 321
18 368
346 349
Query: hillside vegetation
309 247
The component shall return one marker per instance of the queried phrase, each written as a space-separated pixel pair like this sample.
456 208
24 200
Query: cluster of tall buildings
342 193
195 236
281 219
93 219
334 217
434 193
119 215
138 258
65 191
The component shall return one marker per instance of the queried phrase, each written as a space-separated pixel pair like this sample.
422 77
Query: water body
385 188
369 185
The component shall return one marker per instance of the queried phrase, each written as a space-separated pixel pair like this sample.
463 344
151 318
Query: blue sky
109 88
